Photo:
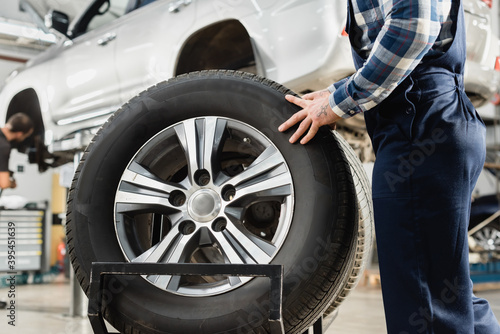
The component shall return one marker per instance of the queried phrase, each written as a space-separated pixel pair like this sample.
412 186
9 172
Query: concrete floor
44 308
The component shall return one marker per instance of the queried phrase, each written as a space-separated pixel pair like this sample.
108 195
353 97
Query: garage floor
44 308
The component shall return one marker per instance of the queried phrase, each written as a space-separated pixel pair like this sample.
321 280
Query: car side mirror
58 21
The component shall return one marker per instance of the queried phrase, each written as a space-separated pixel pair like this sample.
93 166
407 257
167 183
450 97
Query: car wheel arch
27 102
221 45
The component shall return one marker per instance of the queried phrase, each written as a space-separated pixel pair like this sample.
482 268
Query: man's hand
7 181
315 113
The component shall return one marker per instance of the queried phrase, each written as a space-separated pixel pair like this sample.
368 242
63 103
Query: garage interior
47 296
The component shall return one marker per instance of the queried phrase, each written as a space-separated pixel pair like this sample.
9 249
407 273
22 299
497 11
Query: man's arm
410 29
6 181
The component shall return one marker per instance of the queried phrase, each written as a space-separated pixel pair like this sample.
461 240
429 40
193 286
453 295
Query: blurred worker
18 127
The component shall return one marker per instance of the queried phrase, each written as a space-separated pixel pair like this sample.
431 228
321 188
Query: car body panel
74 89
482 49
145 57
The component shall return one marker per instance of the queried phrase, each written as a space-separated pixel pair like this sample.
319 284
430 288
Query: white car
483 53
117 48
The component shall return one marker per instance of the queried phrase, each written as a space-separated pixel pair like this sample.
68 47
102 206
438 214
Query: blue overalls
430 148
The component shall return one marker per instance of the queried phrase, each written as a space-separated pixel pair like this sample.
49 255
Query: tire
141 190
365 234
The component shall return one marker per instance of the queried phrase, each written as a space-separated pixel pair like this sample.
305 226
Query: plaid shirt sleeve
410 29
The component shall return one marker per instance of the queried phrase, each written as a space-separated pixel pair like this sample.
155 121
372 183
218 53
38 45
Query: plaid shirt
392 36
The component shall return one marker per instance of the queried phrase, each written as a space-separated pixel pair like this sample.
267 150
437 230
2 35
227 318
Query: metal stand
318 326
273 271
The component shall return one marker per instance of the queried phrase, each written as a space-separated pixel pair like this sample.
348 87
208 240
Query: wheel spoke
127 201
232 253
212 142
168 282
235 213
157 253
248 246
272 185
492 237
178 253
142 191
268 160
201 140
493 234
142 179
234 280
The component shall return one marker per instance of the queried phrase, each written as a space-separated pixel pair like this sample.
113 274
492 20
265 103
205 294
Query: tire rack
273 271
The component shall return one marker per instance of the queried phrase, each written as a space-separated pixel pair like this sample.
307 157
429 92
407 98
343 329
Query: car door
84 82
154 32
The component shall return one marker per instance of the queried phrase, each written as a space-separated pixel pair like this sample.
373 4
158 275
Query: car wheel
193 170
488 238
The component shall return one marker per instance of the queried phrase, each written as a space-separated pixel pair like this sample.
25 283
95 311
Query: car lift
273 271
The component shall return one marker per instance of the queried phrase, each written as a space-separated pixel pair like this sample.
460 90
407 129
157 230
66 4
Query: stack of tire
194 170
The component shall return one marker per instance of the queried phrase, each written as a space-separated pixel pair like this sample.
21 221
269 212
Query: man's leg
427 164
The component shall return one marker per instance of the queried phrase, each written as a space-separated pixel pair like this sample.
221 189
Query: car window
136 4
145 2
108 12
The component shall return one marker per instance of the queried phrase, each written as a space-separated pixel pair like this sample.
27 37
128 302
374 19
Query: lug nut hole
177 198
219 225
202 177
228 193
187 227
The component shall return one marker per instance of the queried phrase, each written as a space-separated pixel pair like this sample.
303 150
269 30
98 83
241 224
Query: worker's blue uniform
429 143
